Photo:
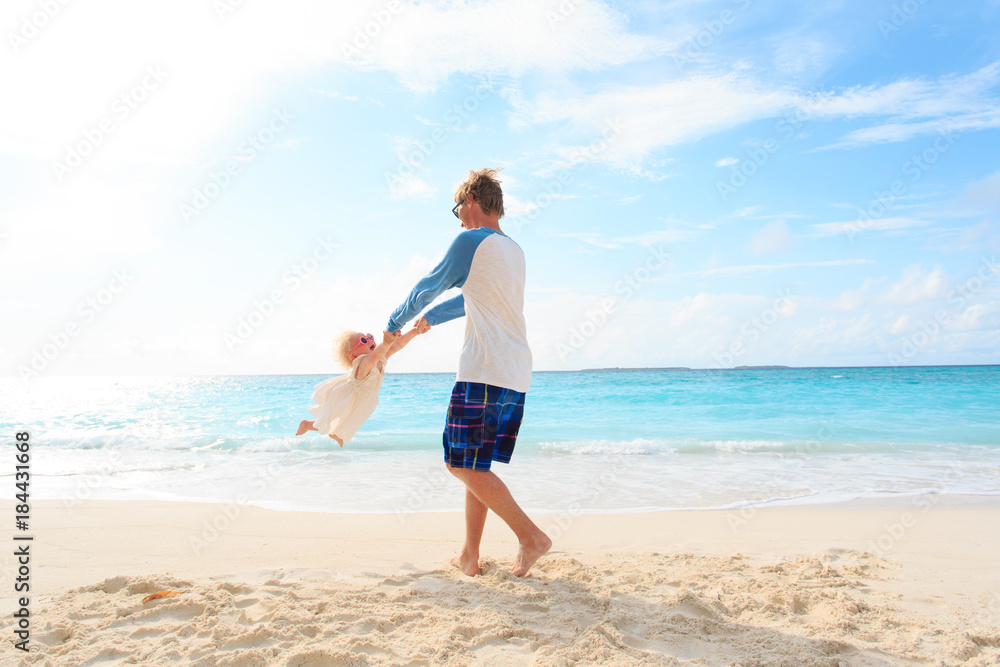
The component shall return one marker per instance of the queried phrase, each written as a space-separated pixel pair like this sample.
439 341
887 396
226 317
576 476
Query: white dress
344 403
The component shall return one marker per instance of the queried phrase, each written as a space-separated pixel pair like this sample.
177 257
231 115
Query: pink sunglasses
365 340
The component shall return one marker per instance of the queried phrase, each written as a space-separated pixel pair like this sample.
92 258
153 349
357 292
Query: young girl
344 403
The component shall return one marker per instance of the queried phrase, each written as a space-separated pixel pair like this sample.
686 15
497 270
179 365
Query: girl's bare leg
305 425
339 441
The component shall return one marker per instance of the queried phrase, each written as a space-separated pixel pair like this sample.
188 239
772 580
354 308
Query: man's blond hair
485 188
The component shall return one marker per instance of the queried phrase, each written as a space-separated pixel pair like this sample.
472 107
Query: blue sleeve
451 272
446 311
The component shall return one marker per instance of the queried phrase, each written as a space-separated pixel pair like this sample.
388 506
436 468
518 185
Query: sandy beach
911 581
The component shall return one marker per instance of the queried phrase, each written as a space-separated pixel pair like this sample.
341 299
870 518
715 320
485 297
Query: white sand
778 586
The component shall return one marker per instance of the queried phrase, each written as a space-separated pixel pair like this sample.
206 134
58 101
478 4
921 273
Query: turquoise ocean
591 441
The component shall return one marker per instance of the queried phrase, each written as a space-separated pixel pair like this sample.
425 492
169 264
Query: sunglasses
455 210
367 339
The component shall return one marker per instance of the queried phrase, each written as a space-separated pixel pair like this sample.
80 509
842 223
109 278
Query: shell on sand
157 596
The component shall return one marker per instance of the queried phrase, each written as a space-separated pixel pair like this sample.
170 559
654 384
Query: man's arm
451 272
446 311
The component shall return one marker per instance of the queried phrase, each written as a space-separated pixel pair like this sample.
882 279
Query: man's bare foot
339 441
304 425
467 563
530 552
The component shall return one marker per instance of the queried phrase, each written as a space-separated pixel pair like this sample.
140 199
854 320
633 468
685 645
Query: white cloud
79 226
917 284
727 162
913 98
747 212
704 327
704 308
983 236
591 238
916 106
516 208
646 239
795 53
754 268
405 182
979 317
902 325
217 73
335 94
637 170
662 114
521 38
295 338
982 196
772 237
675 112
854 299
658 236
221 64
860 226
410 186
893 132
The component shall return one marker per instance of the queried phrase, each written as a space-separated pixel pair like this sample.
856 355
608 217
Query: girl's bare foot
339 441
467 563
530 552
305 425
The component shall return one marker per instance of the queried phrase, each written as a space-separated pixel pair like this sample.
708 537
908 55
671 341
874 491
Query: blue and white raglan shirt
489 267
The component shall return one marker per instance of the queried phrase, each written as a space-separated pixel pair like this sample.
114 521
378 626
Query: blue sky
220 187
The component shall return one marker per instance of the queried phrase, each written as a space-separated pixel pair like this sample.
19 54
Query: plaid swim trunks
482 425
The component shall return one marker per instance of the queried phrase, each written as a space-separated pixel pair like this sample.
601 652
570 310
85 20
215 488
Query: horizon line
762 367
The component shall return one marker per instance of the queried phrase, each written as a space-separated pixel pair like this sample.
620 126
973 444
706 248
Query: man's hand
389 338
421 325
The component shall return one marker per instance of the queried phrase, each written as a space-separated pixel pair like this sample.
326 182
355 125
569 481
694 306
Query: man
494 369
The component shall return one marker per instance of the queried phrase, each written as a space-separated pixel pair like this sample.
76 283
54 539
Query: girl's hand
421 325
389 338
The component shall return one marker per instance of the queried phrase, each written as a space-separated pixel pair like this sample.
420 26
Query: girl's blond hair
342 348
